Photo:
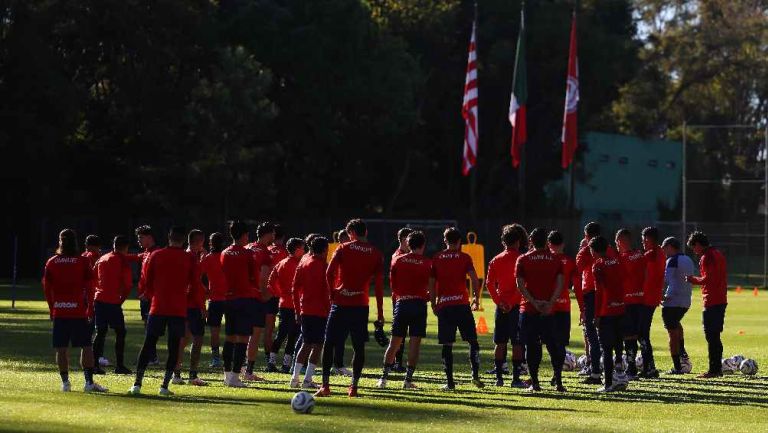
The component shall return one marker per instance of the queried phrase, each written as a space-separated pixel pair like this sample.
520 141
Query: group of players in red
320 302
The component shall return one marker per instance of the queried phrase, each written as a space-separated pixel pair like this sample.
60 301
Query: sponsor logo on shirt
449 255
66 260
345 292
615 304
634 295
361 248
408 297
450 298
412 260
65 305
540 257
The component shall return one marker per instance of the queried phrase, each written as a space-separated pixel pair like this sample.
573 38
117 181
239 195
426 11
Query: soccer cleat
352 392
295 383
66 386
606 389
650 374
409 385
535 387
94 387
709 375
499 382
478 383
98 370
344 371
104 362
165 392
215 363
121 369
560 388
135 390
250 377
271 368
309 385
237 383
519 384
448 387
324 391
285 369
382 383
675 372
592 379
198 382
177 380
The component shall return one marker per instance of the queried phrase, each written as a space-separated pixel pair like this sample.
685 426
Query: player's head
342 236
120 244
239 232
265 232
217 241
416 242
309 237
402 236
698 242
452 238
510 237
295 247
319 246
146 236
356 228
196 240
92 243
671 246
624 240
591 230
538 238
598 245
68 243
650 237
279 234
176 236
555 241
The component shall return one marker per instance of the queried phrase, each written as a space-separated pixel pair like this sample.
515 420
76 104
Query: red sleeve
127 280
393 276
491 283
47 289
519 268
704 265
583 259
576 282
147 276
333 268
378 289
133 258
196 284
273 281
599 287
142 289
296 290
90 287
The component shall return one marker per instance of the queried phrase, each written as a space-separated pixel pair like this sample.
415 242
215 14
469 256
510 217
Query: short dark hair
624 233
555 238
538 238
319 245
452 235
279 232
177 234
293 244
671 242
698 237
265 228
237 229
342 234
309 237
195 233
217 242
145 230
651 233
599 244
357 226
416 240
120 242
403 233
592 229
509 235
67 243
92 241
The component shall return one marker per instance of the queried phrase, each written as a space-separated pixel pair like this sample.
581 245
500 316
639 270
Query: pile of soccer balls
739 362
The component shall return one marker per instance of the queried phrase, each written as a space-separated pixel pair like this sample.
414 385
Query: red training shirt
609 287
66 281
653 287
356 263
170 274
409 277
633 264
539 270
113 278
311 295
263 258
281 278
571 281
500 279
276 255
713 279
210 266
239 269
450 270
142 258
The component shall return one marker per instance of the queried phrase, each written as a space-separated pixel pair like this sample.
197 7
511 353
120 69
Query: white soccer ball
569 364
302 402
685 365
748 367
738 359
729 366
639 361
582 361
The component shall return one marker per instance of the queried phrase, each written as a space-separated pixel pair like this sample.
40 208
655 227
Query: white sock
272 357
287 359
310 373
297 370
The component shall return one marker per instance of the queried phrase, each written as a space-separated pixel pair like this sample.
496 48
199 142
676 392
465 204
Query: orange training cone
754 291
482 327
738 289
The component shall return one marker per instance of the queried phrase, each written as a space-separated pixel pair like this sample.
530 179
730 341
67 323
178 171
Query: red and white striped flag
570 138
469 109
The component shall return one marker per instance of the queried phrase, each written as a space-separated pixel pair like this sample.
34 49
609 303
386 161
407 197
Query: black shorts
257 313
238 318
313 329
287 316
507 326
713 318
144 306
410 316
76 332
454 317
562 327
646 319
157 325
344 320
634 317
216 311
195 322
672 316
108 315
538 329
271 307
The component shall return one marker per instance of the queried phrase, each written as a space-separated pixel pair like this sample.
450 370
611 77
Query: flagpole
473 174
521 168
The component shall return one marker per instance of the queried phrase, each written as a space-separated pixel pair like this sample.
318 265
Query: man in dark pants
714 293
656 263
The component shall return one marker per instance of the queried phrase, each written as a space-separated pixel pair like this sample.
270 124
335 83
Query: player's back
450 269
65 281
170 275
634 264
113 277
211 266
409 276
237 264
501 274
609 281
356 263
313 294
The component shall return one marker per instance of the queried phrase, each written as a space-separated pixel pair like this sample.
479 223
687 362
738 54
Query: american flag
469 109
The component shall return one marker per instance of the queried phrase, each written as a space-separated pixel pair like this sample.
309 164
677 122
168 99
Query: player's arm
583 259
706 263
296 290
127 282
273 280
147 277
142 290
599 292
90 287
333 268
491 285
520 279
432 293
263 277
378 290
556 294
47 287
474 283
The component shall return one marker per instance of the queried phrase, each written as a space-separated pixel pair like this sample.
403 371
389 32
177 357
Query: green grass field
31 401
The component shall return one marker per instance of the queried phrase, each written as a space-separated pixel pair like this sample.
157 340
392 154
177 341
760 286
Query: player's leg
259 320
290 342
269 329
417 329
646 349
144 306
632 320
400 321
197 330
358 333
592 336
155 328
101 322
334 330
283 327
518 350
120 334
607 340
185 338
414 349
555 329
468 331
215 314
446 336
714 318
338 356
501 334
176 330
314 358
530 329
302 353
60 339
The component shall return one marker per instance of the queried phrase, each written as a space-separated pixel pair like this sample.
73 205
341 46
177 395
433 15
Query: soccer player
561 310
634 267
92 253
502 286
311 299
66 281
281 279
277 252
147 242
217 289
355 263
338 357
714 294
409 278
677 300
168 275
262 303
402 249
539 275
195 324
609 308
451 305
92 249
113 285
656 262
